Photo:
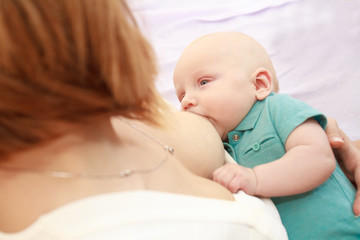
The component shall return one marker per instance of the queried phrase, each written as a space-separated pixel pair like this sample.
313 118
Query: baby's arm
308 162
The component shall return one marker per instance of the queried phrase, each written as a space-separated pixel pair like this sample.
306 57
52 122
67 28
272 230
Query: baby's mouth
208 118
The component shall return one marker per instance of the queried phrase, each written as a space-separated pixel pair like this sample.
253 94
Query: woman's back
99 151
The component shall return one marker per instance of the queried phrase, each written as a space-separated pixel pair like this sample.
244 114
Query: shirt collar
252 117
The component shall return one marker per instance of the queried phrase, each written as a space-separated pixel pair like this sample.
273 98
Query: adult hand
347 154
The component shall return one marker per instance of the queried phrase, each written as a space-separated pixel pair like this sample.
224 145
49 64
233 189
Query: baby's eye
203 82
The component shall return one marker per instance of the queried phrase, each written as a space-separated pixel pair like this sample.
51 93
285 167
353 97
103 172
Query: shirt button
236 137
256 147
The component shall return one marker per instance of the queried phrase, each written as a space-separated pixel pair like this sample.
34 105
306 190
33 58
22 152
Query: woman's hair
67 63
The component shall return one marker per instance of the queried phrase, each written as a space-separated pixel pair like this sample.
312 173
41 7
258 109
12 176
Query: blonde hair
67 63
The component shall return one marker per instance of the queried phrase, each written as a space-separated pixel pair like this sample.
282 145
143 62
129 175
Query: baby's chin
223 137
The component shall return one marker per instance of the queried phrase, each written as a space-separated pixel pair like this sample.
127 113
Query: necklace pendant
169 149
125 173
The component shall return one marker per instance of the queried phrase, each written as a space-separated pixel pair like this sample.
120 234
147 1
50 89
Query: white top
156 215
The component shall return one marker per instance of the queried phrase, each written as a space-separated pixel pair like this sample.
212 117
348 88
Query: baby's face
210 82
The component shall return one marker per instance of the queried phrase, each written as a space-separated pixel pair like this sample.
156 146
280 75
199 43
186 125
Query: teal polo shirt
266 128
324 212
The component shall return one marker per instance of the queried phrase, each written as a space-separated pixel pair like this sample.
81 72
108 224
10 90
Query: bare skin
86 151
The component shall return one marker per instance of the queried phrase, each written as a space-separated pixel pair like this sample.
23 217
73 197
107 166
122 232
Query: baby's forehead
225 45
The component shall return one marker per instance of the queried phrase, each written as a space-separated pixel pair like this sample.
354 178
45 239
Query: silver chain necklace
125 173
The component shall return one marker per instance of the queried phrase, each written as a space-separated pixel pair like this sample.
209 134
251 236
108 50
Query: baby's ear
262 79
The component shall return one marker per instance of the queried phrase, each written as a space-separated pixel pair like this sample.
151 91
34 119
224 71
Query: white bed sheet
314 44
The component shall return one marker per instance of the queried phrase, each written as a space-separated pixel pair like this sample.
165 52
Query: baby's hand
235 177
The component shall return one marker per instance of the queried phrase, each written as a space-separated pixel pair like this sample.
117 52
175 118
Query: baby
278 142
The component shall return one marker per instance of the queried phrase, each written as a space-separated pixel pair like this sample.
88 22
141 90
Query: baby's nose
187 102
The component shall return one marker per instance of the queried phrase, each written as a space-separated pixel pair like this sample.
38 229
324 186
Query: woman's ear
262 79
